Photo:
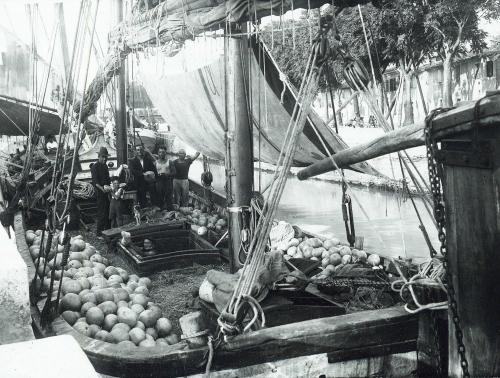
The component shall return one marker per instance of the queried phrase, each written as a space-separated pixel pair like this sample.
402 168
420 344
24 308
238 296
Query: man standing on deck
101 181
143 168
181 183
164 188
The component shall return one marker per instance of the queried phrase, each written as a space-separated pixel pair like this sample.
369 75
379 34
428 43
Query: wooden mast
63 39
239 164
121 104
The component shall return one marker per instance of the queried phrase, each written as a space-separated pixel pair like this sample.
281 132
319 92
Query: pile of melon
332 254
101 301
203 218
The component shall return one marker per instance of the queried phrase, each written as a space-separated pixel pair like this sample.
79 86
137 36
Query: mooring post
239 154
472 198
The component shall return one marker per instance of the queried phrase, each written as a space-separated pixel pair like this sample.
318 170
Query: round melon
76 256
104 295
86 307
147 343
137 335
89 297
75 264
344 250
123 274
142 290
70 272
108 307
132 285
87 264
127 316
81 327
122 304
325 262
30 237
335 259
71 286
96 259
145 281
140 299
103 335
71 301
141 325
114 279
83 293
373 259
95 316
152 332
133 278
121 294
84 282
120 334
346 259
77 245
148 318
70 316
92 330
122 326
110 271
172 339
34 252
137 308
110 321
163 326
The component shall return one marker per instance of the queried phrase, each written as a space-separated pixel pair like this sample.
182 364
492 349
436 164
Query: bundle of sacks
101 301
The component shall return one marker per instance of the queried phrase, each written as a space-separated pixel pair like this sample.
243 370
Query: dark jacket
138 170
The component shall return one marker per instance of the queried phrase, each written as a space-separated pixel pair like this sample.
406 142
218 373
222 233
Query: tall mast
63 39
121 105
239 165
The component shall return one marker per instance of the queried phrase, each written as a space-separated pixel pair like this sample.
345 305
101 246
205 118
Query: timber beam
453 122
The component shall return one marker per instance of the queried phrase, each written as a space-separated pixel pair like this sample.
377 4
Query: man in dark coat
143 168
101 182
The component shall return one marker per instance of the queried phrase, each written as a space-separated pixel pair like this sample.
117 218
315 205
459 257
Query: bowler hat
103 152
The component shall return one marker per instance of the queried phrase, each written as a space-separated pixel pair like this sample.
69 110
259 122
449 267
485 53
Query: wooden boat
14 117
360 343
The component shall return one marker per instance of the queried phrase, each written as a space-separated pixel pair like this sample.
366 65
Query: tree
454 26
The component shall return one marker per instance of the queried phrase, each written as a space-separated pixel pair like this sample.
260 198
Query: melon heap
203 218
331 252
102 301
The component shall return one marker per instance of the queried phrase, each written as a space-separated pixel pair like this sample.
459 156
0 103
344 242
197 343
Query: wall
469 82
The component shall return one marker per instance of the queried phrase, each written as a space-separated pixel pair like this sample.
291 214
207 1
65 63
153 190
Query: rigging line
77 145
65 99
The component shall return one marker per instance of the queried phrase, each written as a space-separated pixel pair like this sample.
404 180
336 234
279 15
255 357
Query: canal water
390 226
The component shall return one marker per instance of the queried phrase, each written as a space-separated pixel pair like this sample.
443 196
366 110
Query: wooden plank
447 124
372 351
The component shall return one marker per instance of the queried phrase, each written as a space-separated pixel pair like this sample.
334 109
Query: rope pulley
355 74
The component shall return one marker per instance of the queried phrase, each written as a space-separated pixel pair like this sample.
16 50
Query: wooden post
121 104
239 165
471 190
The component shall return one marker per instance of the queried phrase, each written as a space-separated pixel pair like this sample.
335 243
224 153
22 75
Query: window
393 84
489 68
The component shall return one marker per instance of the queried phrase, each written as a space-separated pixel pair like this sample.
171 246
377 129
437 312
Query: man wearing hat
101 182
181 182
143 168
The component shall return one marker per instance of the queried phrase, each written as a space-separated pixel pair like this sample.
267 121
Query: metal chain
435 176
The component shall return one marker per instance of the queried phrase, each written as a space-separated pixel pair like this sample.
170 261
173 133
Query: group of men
165 180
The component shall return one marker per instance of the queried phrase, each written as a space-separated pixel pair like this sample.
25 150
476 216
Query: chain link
435 175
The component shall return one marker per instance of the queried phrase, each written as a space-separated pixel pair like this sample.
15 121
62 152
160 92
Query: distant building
472 77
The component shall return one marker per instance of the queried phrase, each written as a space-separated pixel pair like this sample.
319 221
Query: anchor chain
435 177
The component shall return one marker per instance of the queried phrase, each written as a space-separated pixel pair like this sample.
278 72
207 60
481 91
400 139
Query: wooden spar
239 170
121 104
446 124
180 20
59 8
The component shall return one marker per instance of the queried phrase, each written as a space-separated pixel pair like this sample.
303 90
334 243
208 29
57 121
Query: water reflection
315 205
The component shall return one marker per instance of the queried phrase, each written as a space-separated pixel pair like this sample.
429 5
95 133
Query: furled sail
193 104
